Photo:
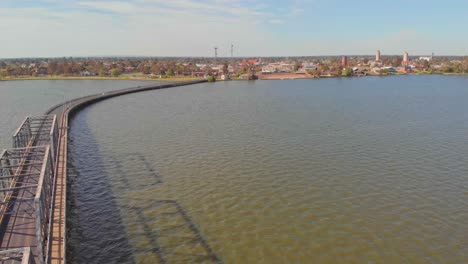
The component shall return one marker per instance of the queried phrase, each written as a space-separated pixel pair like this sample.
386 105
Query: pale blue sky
256 28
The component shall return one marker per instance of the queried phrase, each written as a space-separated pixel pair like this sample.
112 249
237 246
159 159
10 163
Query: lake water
362 170
19 99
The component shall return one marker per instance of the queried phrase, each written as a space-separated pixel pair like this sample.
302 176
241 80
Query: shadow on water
116 227
150 178
162 229
95 232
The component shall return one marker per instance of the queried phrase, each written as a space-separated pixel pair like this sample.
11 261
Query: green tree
115 72
170 72
383 72
102 73
448 68
348 72
211 78
426 65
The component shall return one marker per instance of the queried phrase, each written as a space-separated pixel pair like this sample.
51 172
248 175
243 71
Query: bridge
33 181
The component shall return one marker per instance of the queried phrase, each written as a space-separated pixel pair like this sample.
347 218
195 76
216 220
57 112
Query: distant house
360 71
198 74
310 67
404 69
86 73
389 69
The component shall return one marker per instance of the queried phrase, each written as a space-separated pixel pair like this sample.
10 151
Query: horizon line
219 57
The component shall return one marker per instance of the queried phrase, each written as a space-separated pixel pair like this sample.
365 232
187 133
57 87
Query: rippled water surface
19 99
365 170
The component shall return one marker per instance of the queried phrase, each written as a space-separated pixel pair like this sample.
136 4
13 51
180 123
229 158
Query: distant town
266 68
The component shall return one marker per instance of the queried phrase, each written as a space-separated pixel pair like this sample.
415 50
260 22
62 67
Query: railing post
39 236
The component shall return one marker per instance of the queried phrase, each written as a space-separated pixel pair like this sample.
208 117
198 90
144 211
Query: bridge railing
43 206
20 171
37 131
17 256
26 187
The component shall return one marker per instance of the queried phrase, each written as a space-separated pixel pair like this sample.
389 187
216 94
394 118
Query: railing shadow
107 224
132 181
95 231
168 232
162 230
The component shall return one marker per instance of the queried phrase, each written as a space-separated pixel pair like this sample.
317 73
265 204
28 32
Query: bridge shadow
166 233
107 224
146 175
95 231
161 230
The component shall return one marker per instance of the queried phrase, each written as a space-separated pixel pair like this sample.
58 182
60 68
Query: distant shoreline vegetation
185 69
210 78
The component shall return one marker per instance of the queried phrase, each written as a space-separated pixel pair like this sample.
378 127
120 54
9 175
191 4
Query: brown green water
366 170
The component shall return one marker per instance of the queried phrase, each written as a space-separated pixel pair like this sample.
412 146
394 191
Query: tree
115 72
102 73
348 72
211 78
156 69
465 64
448 68
396 61
170 72
52 67
426 65
297 66
383 72
67 68
338 70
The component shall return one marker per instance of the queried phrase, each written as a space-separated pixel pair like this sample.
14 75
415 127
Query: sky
58 28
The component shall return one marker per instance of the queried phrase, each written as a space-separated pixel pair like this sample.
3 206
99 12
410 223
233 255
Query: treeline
93 67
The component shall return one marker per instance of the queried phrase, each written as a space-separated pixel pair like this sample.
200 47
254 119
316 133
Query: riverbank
276 76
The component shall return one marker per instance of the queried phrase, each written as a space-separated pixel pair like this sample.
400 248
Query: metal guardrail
37 131
17 256
26 185
27 176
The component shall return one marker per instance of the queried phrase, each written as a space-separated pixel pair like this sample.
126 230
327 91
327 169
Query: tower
344 61
405 59
232 51
377 56
216 52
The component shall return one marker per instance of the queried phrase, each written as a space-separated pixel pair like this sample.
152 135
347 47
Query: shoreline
97 78
267 77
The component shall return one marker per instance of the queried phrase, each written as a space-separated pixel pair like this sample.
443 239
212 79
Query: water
19 99
365 170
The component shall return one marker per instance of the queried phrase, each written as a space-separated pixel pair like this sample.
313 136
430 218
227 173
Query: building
344 61
377 56
404 69
405 59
